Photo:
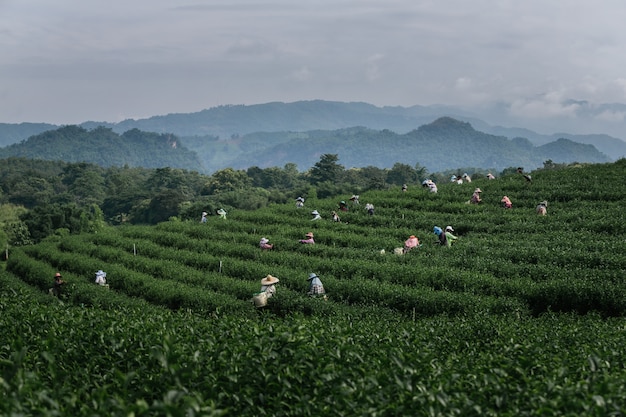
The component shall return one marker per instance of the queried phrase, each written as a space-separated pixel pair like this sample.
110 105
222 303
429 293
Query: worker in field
265 244
203 218
527 177
410 243
449 237
299 202
506 201
369 207
466 178
268 285
308 239
404 188
222 213
57 286
475 199
441 235
343 206
316 215
316 287
355 199
542 208
101 278
336 218
490 176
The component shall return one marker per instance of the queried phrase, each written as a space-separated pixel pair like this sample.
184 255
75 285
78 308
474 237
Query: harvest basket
260 299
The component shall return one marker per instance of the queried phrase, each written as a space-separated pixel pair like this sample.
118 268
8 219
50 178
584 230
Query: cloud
544 106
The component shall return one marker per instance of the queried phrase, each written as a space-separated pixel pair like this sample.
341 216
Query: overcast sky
69 61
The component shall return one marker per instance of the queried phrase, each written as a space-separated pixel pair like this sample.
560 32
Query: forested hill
441 145
234 121
106 148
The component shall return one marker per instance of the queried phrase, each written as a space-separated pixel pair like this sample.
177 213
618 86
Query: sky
70 61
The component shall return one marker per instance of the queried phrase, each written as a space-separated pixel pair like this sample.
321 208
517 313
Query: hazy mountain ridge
106 148
236 120
361 134
441 145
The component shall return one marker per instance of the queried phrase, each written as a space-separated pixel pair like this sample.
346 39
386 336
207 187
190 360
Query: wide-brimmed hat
57 275
299 199
311 276
315 212
437 230
449 228
310 234
269 280
478 190
221 211
100 272
505 198
544 203
204 213
264 240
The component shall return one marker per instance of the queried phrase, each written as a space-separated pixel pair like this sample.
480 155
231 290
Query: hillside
522 315
106 148
441 145
234 121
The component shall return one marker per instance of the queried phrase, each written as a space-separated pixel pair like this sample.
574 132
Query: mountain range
274 134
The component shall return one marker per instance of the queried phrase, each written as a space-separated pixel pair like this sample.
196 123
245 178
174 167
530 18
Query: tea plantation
524 315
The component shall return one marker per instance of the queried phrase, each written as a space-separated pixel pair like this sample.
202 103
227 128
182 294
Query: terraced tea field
523 315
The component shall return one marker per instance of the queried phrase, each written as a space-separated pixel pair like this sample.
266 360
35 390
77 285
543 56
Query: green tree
401 174
327 169
227 180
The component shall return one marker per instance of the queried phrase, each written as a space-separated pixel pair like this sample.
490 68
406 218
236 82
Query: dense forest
39 198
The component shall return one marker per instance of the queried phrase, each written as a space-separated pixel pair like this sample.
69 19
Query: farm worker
490 176
404 188
343 206
453 178
459 180
476 197
507 202
410 243
370 209
355 199
308 238
542 208
101 278
432 187
222 213
450 238
315 285
336 217
203 218
264 243
467 178
527 177
316 215
299 202
268 285
441 235
58 284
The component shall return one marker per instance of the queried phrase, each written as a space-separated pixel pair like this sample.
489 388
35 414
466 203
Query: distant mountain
106 148
230 121
17 132
441 145
272 134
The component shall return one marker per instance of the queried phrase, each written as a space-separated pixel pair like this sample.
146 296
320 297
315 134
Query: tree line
39 198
